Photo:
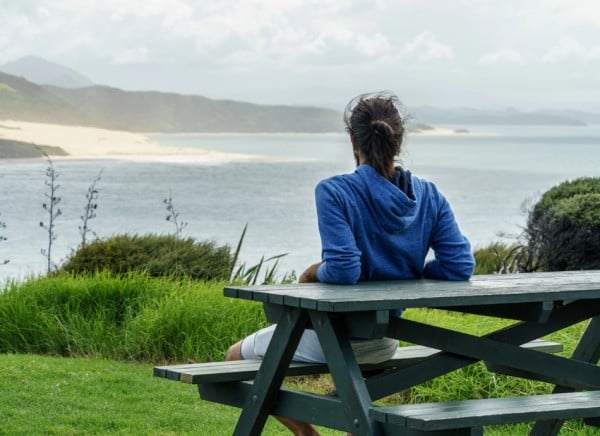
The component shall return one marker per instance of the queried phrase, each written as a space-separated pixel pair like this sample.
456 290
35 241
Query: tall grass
131 317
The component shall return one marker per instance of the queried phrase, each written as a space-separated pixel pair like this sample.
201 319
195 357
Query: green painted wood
367 325
403 378
393 430
302 406
480 290
587 350
537 312
547 301
345 372
261 400
237 370
471 413
569 372
594 422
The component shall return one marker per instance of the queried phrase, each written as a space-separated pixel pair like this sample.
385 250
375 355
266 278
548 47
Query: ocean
490 176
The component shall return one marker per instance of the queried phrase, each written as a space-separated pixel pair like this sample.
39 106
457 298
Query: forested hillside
111 108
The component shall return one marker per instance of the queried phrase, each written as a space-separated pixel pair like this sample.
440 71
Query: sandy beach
95 143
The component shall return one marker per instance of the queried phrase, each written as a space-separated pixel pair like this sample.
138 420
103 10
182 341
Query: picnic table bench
539 304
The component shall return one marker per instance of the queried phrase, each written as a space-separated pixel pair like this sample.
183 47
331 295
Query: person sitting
377 223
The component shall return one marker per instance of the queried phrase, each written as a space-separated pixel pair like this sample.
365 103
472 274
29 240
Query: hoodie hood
393 208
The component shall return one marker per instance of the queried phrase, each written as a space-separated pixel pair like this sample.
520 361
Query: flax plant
3 238
249 275
89 211
173 217
51 206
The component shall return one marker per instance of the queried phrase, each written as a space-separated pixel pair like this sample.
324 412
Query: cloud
425 47
594 52
285 34
131 56
567 48
237 46
578 13
503 56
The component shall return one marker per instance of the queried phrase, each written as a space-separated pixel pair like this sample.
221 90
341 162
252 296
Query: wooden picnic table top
382 295
543 303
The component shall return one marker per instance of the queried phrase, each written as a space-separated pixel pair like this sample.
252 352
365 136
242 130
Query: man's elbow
349 278
463 270
466 271
463 276
339 276
455 271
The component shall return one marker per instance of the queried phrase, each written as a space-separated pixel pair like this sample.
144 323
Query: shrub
563 228
500 258
157 255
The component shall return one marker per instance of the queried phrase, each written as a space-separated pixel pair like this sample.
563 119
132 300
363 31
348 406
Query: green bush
563 228
499 258
157 255
128 317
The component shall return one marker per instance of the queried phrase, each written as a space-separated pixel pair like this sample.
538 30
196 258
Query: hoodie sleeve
453 258
340 255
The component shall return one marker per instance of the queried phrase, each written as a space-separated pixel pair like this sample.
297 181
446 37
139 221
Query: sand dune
94 143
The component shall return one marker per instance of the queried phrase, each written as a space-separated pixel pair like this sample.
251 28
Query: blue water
487 178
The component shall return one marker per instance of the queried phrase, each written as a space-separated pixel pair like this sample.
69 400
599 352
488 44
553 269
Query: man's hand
310 274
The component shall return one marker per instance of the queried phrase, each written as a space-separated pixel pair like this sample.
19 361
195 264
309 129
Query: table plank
480 290
470 413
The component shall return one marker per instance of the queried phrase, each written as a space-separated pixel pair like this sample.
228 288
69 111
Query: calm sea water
487 176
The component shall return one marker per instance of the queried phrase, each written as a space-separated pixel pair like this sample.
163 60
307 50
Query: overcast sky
526 54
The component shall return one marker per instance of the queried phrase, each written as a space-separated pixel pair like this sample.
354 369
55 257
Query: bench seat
239 370
468 417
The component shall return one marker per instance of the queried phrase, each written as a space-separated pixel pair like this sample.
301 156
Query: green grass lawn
66 396
76 396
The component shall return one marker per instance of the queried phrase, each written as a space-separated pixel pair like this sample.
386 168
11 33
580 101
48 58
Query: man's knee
234 352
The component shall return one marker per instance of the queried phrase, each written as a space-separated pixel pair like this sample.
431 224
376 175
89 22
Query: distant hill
466 116
586 117
17 149
26 101
111 108
149 111
42 72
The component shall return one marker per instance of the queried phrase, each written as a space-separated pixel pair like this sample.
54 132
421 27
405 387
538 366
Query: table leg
261 399
588 350
346 374
442 363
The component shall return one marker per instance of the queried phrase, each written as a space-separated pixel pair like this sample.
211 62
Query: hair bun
382 128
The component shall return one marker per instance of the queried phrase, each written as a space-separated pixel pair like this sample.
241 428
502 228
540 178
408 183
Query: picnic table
539 304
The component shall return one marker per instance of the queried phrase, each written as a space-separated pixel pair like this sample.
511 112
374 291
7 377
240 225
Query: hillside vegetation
111 108
10 149
25 101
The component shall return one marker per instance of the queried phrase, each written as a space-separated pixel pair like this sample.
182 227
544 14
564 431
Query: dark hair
376 128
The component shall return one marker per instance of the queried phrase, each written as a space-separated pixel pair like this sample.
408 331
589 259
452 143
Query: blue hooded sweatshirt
373 230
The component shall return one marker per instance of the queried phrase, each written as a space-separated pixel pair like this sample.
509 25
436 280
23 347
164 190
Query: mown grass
118 327
65 396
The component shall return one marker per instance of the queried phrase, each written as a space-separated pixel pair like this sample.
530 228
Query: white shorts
309 350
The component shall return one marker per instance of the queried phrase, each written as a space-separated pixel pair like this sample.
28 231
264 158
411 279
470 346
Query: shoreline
96 143
82 143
